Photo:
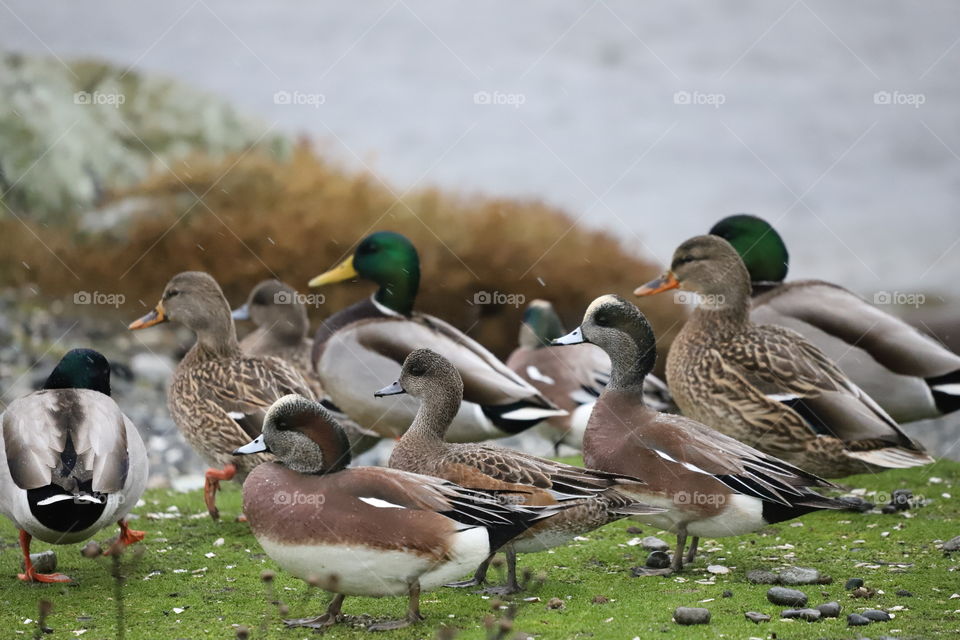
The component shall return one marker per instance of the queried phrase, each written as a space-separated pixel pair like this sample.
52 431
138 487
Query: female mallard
708 483
909 374
356 348
366 531
570 378
590 499
282 325
767 385
218 396
70 462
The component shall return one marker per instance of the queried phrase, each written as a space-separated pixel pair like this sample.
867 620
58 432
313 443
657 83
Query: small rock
658 560
810 615
863 592
853 583
787 597
91 550
799 575
951 545
43 562
761 576
651 543
634 530
875 615
857 620
600 599
900 499
691 615
756 617
556 603
903 593
726 593
829 609
718 569
888 509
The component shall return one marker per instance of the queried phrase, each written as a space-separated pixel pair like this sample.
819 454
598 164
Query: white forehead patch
599 302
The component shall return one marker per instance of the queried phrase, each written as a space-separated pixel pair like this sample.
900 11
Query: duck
590 499
766 385
709 484
364 531
358 346
280 315
71 463
218 396
570 378
911 375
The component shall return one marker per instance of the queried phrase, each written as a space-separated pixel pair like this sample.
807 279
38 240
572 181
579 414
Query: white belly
742 514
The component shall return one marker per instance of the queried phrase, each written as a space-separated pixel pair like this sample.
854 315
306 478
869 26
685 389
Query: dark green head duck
759 244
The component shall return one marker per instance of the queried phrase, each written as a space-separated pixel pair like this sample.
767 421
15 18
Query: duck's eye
171 293
602 319
683 260
418 370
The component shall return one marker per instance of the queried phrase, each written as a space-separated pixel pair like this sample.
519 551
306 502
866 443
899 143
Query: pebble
43 562
756 617
556 603
658 560
761 576
853 583
651 543
91 550
788 597
810 615
857 620
829 609
888 509
903 593
691 615
718 569
726 594
951 545
875 615
799 575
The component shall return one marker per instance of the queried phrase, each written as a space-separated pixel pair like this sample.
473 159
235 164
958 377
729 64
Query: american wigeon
366 531
590 499
910 375
71 462
708 483
356 348
767 385
218 396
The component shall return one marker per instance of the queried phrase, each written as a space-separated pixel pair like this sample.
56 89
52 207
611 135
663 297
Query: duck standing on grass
767 385
910 375
570 378
708 483
590 499
218 396
356 346
366 531
70 461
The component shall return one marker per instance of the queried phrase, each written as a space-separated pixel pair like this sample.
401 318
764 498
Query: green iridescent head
81 369
541 325
758 243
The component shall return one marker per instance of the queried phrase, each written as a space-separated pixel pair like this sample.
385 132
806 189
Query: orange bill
664 283
154 317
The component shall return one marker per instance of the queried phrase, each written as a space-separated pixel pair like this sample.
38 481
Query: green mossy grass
171 570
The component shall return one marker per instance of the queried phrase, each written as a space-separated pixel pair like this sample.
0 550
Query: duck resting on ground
71 462
356 347
218 396
589 499
767 385
366 531
909 374
708 483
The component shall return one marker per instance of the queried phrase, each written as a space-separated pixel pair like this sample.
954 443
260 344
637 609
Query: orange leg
212 485
126 538
30 575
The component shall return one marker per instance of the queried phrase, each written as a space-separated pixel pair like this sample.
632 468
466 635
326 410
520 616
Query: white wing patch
664 455
236 415
381 504
534 374
782 397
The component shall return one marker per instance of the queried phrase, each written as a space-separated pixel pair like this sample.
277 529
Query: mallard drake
570 378
218 396
708 483
70 462
590 499
767 385
282 325
358 346
910 375
366 531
